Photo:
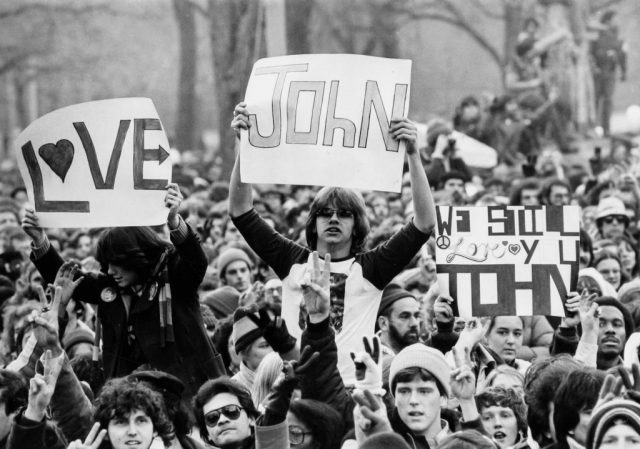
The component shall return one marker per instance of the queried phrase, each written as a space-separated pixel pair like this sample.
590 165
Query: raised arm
240 194
423 204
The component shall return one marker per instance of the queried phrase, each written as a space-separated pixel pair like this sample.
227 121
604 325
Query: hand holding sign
404 129
240 118
31 226
172 201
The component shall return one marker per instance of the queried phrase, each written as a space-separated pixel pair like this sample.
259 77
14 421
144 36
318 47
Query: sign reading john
516 260
324 120
97 164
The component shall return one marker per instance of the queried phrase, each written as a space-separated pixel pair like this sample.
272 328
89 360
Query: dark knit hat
222 301
231 255
607 415
245 331
391 294
160 381
386 440
629 325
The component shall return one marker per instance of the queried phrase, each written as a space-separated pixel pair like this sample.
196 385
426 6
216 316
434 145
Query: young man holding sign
338 226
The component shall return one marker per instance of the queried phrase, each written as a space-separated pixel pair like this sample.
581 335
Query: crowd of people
296 316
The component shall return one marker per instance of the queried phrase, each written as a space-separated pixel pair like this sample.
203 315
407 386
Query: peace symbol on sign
443 242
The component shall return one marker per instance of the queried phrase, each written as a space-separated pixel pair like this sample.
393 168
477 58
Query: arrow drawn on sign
156 154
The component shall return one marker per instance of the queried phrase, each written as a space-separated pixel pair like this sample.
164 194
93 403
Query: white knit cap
421 356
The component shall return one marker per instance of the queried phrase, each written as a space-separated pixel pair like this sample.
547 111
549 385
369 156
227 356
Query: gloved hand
277 403
275 331
369 367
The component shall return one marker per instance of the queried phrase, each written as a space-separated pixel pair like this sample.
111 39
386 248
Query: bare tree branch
479 4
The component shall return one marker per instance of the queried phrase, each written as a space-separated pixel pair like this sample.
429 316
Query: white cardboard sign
324 119
508 260
98 164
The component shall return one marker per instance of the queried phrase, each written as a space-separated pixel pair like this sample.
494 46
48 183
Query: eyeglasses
230 411
327 212
618 218
296 435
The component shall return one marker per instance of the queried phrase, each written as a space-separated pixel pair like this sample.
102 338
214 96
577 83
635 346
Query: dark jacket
189 355
325 385
33 435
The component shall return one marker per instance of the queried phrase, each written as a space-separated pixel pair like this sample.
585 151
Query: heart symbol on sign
514 249
58 157
505 243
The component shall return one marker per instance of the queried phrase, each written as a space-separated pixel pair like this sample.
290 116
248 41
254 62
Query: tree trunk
233 31
298 15
186 123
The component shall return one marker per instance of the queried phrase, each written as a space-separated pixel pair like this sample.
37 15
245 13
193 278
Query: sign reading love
97 164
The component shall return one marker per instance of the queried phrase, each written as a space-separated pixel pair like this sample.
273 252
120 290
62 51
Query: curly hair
508 398
343 199
120 397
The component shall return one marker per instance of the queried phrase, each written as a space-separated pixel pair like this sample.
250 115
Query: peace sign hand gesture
315 288
42 386
93 440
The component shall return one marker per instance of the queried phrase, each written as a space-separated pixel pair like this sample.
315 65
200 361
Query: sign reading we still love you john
324 120
97 164
515 260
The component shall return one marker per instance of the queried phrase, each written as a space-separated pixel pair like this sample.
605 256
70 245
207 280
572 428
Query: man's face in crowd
418 404
505 337
227 431
506 380
231 233
216 228
610 271
529 197
612 333
238 275
122 276
500 423
613 226
380 207
559 196
8 219
274 201
334 226
84 247
620 436
273 292
134 431
253 355
454 185
403 324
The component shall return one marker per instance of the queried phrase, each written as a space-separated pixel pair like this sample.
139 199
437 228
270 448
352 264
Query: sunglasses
618 218
230 411
327 212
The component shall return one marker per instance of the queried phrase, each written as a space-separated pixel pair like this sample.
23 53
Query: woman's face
500 424
299 433
505 337
84 247
122 276
131 432
620 436
627 256
610 270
